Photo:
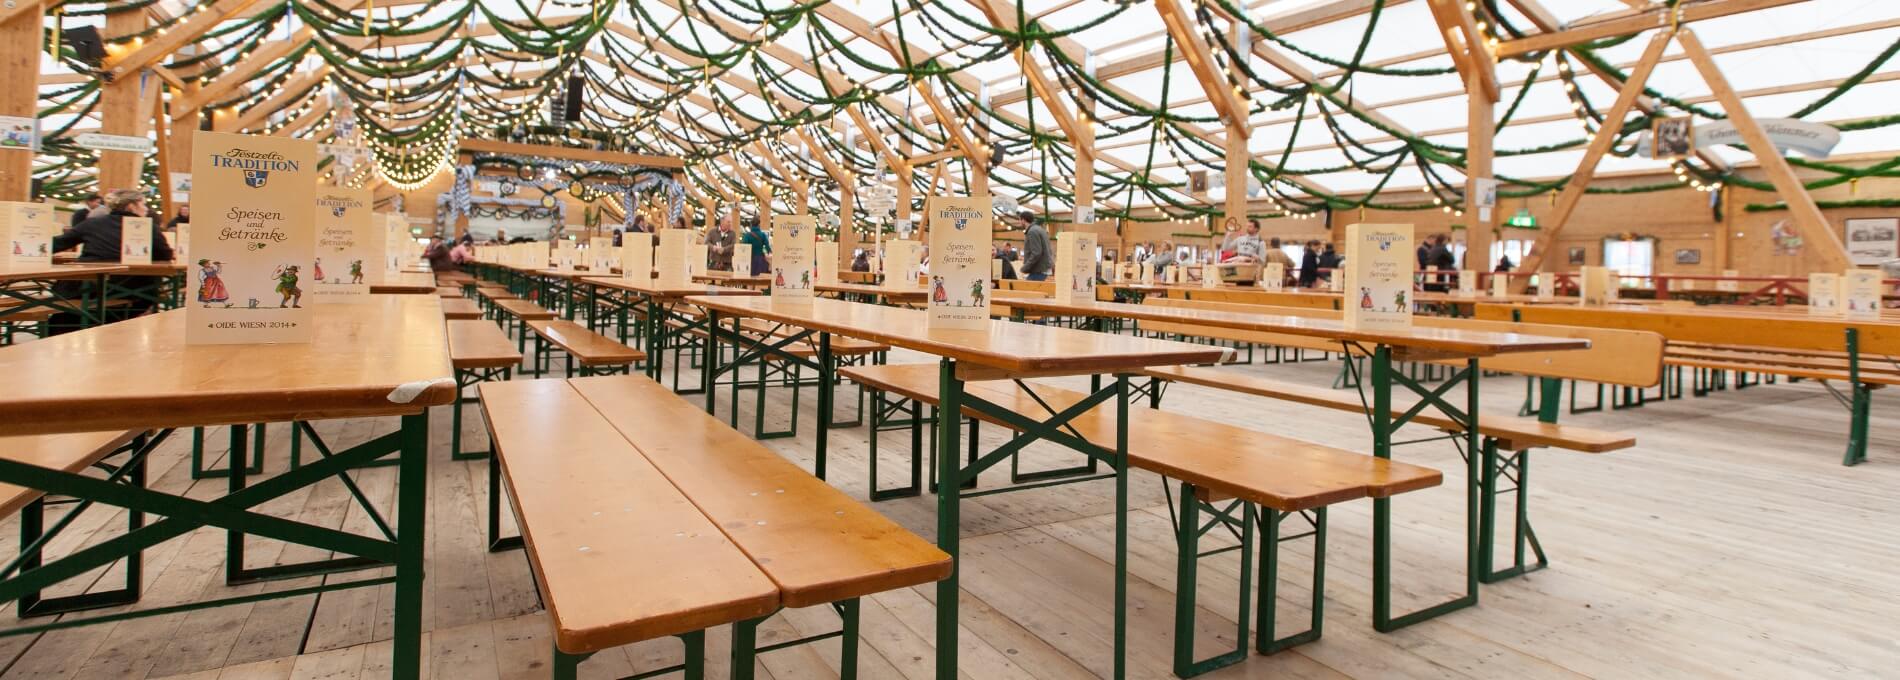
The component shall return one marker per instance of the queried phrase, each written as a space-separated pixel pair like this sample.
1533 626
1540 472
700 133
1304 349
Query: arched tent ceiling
1350 101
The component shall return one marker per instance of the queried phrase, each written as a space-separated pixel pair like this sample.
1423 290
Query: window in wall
1631 258
1515 249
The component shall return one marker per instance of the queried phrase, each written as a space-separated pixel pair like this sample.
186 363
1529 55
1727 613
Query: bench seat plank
448 292
1869 378
587 347
816 543
1278 472
71 452
619 553
1517 432
523 309
480 344
460 308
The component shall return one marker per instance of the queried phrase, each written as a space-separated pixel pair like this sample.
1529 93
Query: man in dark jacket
1309 265
84 210
1440 256
99 239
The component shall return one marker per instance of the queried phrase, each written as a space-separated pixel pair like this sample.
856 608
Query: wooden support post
1801 206
20 45
164 157
120 112
1480 223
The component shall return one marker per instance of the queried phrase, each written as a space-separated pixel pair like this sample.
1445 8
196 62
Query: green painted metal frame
951 402
90 306
234 513
464 379
199 471
35 536
1188 532
1381 379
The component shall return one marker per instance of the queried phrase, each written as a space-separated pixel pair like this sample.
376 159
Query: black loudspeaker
996 155
86 43
572 111
39 189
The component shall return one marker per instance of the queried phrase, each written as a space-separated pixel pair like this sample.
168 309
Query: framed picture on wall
1673 138
1688 256
1576 256
1873 240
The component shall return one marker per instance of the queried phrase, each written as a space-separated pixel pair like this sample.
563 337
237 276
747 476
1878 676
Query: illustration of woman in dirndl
318 270
937 293
210 287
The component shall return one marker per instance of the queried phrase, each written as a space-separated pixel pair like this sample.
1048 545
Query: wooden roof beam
1637 22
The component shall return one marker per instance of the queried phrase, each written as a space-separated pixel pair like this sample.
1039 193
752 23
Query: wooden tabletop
61 271
727 277
1014 348
1445 341
412 283
385 357
663 291
896 292
1728 329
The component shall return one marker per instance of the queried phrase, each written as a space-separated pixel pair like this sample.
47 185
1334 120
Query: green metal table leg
1859 409
949 412
745 636
824 402
411 517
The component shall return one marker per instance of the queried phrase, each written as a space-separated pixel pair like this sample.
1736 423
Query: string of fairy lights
715 81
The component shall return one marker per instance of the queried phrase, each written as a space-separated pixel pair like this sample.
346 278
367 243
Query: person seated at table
183 217
861 263
1247 247
438 256
1161 259
719 245
83 211
98 240
462 252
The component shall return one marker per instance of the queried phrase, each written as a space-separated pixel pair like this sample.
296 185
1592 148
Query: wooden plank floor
1730 543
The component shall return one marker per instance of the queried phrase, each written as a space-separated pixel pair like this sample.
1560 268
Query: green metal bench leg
1187 581
1270 540
237 456
878 416
33 535
567 666
1860 407
496 541
745 653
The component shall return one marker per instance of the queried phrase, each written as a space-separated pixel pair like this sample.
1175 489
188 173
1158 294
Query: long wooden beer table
387 357
874 293
32 288
1001 350
1418 343
1737 326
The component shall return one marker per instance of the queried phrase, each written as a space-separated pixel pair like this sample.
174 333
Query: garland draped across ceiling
717 82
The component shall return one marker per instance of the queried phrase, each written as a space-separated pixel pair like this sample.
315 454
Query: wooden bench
491 293
72 452
811 544
479 351
448 292
593 352
620 555
1263 479
1616 357
514 315
455 309
1752 343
